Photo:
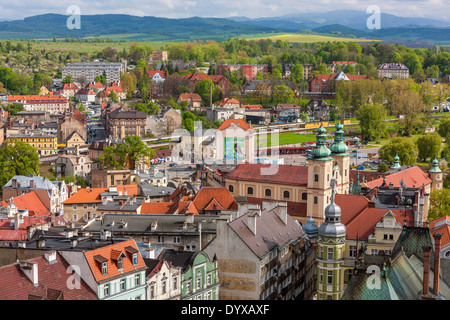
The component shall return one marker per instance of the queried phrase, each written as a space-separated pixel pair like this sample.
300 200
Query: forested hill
127 26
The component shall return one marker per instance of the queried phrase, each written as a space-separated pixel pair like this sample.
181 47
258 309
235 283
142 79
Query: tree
283 94
203 89
17 158
371 120
409 104
383 167
126 154
404 147
439 203
67 79
297 74
429 145
113 96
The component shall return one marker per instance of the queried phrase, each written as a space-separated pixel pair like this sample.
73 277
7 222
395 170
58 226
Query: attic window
104 268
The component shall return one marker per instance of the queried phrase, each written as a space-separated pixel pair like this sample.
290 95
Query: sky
19 9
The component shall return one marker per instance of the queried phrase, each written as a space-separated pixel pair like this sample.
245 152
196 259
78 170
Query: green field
284 138
306 38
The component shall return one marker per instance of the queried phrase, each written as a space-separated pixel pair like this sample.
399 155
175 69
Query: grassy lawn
308 38
284 138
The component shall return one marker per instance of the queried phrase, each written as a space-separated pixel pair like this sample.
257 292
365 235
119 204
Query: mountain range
349 23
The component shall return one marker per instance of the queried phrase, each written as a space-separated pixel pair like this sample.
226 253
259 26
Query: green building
330 253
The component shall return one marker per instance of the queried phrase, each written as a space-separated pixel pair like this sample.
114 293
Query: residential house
325 83
113 272
193 100
29 202
70 123
85 95
200 277
51 193
229 103
69 89
45 144
392 71
43 278
121 123
163 280
52 103
73 165
260 255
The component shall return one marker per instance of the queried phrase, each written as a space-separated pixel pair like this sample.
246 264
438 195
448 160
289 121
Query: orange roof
241 123
95 85
37 98
70 86
441 225
187 96
31 202
360 219
413 177
157 207
227 100
251 106
108 254
162 73
92 195
208 196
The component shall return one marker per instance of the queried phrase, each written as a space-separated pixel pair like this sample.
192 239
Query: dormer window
135 259
120 263
104 268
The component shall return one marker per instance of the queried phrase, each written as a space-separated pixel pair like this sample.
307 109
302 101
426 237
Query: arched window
286 194
315 200
304 196
268 193
231 188
316 178
249 190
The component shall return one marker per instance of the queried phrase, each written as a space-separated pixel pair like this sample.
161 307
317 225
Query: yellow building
45 144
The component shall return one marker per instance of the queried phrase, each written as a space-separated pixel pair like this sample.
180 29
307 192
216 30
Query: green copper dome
396 164
435 168
339 148
321 151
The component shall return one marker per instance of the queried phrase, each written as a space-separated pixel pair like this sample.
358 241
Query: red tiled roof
360 219
52 277
326 77
188 96
92 195
207 196
157 207
282 174
241 123
413 177
95 85
31 202
294 209
227 100
70 86
162 73
108 252
443 228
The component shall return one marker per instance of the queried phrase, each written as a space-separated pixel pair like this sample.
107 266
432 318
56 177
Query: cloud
221 8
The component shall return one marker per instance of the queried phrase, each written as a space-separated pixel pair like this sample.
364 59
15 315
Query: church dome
311 228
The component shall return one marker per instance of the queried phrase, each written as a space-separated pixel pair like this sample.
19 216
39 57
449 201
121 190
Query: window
122 284
373 251
391 237
199 283
286 194
106 289
175 282
330 277
160 239
135 259
208 279
316 178
321 276
104 268
75 217
164 286
304 196
188 287
268 193
120 263
74 207
315 200
352 251
176 240
330 253
249 190
231 188
137 279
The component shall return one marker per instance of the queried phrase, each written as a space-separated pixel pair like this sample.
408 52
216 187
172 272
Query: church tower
330 253
435 174
341 165
320 171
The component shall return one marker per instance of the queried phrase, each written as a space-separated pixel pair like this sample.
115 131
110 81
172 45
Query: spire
435 167
332 226
338 148
396 164
320 151
356 188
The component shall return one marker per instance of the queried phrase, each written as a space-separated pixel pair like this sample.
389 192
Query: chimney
40 242
426 272
437 261
32 184
77 150
50 256
73 242
282 212
30 269
251 222
17 219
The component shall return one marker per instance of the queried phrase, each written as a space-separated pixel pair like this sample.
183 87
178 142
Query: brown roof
282 174
270 231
